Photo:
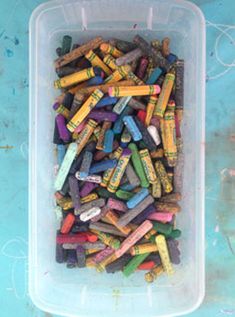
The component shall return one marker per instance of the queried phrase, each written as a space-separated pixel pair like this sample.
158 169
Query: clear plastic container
84 292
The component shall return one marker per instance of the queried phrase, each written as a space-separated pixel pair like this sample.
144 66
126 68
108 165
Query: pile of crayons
119 154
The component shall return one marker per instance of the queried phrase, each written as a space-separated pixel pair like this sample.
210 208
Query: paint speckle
6 147
211 54
24 83
16 41
214 242
1 34
217 228
135 26
8 52
228 311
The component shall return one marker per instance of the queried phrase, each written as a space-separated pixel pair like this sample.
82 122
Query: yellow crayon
109 49
153 274
89 198
85 109
110 61
90 262
65 203
85 135
91 251
143 248
109 172
75 78
112 217
164 179
169 138
120 91
107 239
157 189
151 233
104 87
164 95
63 110
150 108
100 267
96 61
157 154
97 132
119 74
171 177
148 166
75 135
164 254
100 144
119 171
136 79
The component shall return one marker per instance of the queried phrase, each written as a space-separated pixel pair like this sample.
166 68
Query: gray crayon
119 264
86 164
133 179
74 192
81 256
106 228
129 57
87 206
132 213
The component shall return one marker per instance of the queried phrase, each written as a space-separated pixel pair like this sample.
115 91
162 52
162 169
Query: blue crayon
106 101
171 58
97 80
60 153
118 125
108 141
132 128
127 187
102 166
86 164
137 198
154 76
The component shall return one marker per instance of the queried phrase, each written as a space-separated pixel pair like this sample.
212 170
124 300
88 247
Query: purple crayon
87 188
63 131
173 250
102 116
74 192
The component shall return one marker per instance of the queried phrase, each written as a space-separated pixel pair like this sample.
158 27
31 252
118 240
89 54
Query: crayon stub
163 251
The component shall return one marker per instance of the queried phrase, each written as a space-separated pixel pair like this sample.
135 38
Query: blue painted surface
220 150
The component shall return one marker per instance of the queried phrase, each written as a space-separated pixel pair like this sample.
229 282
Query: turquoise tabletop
220 161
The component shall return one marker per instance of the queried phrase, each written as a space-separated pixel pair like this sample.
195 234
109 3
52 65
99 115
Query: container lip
34 295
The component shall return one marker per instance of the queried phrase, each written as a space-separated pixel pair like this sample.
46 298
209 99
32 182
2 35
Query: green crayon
138 166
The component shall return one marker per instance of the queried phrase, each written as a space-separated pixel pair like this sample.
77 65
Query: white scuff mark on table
224 31
24 150
16 250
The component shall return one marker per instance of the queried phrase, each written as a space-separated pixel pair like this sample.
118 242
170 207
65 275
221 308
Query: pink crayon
134 237
102 255
80 127
116 204
161 216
